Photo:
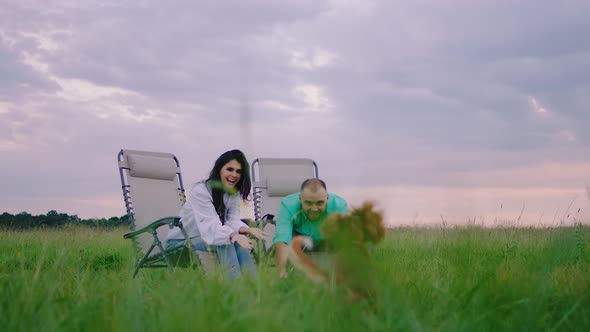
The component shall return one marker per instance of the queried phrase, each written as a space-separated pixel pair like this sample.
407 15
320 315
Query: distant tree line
53 219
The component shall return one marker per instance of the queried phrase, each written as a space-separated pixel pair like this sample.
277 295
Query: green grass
437 279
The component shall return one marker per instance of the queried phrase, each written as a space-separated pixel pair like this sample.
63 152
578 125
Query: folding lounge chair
273 179
153 193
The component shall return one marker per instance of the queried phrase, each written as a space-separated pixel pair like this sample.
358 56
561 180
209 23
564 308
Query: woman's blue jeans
233 258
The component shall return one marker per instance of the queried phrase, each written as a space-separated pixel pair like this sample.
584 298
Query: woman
211 215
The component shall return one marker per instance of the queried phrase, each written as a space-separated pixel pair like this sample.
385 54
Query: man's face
313 203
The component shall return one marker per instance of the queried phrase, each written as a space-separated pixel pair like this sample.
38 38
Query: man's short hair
313 184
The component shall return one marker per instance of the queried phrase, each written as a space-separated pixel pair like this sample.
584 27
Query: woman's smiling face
231 173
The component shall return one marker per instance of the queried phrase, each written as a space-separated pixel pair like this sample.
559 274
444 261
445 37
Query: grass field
436 279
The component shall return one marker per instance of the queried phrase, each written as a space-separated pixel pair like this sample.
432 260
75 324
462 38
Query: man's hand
242 241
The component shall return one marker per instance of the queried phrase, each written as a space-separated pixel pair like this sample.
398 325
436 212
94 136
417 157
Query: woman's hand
242 241
257 233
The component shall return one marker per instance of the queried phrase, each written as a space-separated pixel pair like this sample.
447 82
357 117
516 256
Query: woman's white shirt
199 218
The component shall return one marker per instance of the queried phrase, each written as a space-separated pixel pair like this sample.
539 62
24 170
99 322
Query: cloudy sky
451 110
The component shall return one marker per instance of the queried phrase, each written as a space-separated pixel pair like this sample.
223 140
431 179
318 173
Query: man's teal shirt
291 218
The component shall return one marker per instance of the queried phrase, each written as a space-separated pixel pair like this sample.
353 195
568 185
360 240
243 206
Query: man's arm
283 235
281 258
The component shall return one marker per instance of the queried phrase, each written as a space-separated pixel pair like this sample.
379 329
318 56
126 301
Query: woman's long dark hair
243 186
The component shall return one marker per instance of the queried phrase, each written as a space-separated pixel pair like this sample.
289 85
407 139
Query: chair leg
189 244
194 259
159 245
136 270
142 260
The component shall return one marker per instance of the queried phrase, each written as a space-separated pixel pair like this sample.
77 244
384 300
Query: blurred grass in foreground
443 279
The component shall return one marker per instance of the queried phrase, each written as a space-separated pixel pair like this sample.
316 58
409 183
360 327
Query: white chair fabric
273 179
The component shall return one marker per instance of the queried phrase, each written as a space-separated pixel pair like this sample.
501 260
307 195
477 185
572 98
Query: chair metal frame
259 185
164 258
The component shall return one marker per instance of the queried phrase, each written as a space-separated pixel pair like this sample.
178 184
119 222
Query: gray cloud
377 92
191 51
18 79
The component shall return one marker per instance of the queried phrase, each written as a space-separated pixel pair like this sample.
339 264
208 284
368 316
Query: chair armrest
172 221
268 218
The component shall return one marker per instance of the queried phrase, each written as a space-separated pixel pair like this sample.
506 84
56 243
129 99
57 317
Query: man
302 213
